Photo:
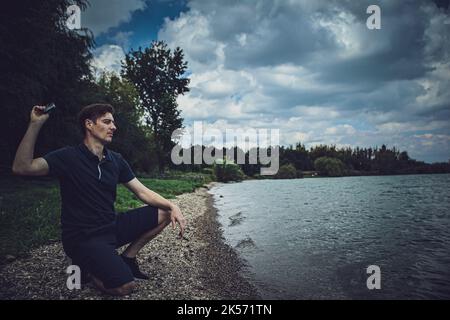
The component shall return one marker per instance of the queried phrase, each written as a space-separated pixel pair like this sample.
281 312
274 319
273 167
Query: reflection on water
314 238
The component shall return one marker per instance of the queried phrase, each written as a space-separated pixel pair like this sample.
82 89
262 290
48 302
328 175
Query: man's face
103 129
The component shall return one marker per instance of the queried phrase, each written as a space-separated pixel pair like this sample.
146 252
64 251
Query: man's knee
123 290
163 217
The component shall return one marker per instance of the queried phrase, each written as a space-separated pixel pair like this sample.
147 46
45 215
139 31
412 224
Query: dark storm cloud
313 67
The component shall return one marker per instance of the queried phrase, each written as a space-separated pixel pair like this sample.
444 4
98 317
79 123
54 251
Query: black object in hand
50 107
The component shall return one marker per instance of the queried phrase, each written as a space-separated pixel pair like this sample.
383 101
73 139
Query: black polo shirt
88 188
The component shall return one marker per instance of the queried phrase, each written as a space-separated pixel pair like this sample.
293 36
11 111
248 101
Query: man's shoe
132 264
85 278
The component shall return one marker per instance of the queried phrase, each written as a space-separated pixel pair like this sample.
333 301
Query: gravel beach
201 266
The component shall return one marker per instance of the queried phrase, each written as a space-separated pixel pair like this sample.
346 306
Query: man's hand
37 115
177 216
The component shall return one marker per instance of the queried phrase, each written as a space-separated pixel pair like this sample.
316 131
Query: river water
314 238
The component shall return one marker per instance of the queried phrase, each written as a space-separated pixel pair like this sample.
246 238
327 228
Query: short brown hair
93 112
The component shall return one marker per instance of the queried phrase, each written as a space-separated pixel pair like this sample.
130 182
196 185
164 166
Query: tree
286 171
41 61
226 171
385 160
331 167
158 75
133 140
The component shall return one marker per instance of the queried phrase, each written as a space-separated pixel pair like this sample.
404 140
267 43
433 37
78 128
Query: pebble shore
199 267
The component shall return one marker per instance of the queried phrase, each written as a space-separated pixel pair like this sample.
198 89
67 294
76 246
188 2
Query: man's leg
108 271
163 221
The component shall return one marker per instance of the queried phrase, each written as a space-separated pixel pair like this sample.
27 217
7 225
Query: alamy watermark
73 22
74 278
262 146
374 20
374 280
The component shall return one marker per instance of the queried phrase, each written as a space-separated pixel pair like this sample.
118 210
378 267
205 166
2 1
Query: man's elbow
21 169
18 171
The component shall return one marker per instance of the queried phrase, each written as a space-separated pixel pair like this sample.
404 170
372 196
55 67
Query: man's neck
95 147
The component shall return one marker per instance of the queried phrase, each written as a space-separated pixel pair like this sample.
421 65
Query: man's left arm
152 198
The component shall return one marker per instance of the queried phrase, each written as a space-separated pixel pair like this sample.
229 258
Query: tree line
322 160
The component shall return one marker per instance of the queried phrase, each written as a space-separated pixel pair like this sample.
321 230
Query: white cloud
344 129
426 135
122 39
242 39
191 31
107 58
102 15
316 112
402 127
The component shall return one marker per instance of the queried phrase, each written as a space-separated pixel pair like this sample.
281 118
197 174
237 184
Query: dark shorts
97 255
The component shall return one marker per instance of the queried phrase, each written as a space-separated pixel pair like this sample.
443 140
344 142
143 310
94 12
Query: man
88 175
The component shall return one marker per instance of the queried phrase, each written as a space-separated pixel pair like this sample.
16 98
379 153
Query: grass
30 208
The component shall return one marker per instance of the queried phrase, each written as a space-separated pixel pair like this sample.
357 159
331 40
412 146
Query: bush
227 171
286 171
207 171
330 167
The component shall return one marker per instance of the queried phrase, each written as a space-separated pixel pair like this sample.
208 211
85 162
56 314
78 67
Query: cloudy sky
310 68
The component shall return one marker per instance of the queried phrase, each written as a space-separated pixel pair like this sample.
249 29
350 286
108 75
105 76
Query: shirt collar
85 150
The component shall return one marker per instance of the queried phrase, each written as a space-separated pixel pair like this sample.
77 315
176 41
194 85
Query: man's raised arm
24 164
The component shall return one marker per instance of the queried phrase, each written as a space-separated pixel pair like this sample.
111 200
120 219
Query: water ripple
316 237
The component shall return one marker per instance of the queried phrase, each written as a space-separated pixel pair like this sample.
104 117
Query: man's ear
88 123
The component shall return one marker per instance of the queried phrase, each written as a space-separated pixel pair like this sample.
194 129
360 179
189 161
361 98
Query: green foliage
166 188
226 171
208 171
195 177
330 167
358 161
40 61
132 139
286 171
29 214
157 73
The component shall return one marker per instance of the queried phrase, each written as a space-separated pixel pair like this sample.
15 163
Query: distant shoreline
309 176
